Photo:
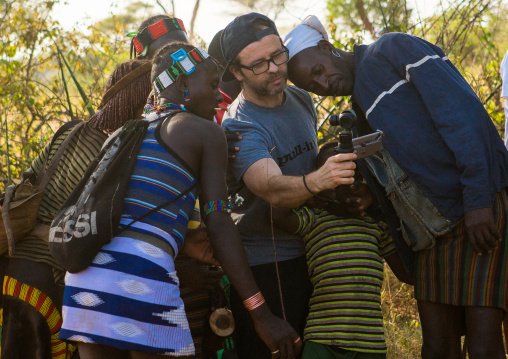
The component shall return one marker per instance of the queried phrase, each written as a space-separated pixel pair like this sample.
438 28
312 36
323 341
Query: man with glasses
278 126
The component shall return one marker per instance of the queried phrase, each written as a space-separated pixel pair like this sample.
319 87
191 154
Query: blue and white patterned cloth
129 299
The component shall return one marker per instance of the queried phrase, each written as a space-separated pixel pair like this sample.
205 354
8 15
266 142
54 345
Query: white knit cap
305 35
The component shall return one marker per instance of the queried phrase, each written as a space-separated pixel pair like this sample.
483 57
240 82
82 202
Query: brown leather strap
125 81
47 172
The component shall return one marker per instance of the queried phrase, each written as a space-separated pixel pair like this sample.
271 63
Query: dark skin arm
202 144
285 219
358 201
191 273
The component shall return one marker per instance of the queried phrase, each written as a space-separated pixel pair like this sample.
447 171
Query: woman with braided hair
33 285
128 300
125 101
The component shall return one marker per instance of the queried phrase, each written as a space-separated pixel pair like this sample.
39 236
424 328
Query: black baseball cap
240 33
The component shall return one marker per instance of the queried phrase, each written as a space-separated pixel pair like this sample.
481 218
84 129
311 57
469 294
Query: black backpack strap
153 210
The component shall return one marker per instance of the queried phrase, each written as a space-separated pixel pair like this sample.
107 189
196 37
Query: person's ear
325 46
235 70
182 82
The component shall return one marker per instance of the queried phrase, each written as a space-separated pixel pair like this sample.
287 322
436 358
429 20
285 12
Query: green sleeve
386 244
306 219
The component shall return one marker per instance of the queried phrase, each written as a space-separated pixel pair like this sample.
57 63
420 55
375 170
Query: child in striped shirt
344 257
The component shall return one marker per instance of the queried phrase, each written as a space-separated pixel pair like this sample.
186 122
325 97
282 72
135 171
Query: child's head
326 151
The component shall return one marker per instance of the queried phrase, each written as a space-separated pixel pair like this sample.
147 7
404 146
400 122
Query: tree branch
194 15
360 6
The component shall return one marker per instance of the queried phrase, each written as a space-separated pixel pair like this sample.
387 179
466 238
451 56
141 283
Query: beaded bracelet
222 206
217 206
254 302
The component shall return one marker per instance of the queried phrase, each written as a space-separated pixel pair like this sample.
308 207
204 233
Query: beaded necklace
168 106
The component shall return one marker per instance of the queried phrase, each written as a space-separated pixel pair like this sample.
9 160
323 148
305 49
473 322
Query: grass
401 320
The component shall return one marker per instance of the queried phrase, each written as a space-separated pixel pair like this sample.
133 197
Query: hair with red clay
127 102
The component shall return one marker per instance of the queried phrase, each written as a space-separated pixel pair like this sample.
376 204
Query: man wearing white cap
444 167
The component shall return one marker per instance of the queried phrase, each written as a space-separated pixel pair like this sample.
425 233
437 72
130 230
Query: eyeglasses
263 66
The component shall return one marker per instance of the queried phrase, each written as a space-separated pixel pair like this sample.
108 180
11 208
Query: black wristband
316 195
305 184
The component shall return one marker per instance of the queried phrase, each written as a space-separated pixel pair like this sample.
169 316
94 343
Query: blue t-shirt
288 135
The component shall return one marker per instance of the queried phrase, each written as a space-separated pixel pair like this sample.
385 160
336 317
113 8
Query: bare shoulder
200 125
209 130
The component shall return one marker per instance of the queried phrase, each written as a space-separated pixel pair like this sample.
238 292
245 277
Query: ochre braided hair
127 103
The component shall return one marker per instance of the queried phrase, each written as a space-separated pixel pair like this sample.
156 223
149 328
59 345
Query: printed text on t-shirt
297 151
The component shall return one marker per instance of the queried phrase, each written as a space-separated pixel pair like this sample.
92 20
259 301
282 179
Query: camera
346 120
363 146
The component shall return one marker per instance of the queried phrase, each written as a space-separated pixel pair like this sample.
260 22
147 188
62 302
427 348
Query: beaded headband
183 63
150 33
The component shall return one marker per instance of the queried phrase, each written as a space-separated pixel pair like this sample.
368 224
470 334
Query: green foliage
370 15
48 75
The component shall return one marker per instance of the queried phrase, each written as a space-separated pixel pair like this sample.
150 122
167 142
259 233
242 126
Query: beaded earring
186 95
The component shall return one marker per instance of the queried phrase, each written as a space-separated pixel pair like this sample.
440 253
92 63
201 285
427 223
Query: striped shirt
346 270
81 150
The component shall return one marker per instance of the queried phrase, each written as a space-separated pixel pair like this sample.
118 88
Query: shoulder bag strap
46 173
29 174
66 126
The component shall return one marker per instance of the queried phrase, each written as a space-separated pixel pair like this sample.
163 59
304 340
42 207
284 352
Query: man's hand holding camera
337 170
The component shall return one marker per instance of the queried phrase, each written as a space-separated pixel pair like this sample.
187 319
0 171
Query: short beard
262 90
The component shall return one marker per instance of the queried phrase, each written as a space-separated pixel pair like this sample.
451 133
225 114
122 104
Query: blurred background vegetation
49 75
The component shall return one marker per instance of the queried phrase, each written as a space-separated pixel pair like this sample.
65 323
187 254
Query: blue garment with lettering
287 134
